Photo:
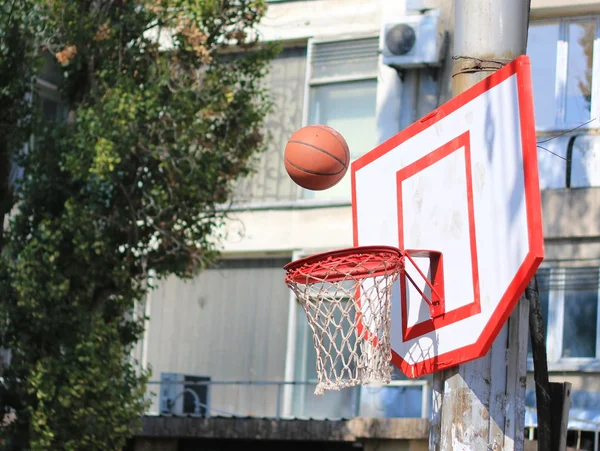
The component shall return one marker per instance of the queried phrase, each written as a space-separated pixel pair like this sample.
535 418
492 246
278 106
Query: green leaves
105 158
161 122
85 385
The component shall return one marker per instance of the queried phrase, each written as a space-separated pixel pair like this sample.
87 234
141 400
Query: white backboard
462 181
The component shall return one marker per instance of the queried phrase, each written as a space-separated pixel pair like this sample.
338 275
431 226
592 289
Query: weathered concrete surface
355 429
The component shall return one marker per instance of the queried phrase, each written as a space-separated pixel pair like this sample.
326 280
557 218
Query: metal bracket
437 305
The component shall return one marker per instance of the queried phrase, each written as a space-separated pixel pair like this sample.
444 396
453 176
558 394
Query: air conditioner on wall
182 394
413 41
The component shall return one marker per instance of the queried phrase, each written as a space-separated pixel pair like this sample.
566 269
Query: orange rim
333 266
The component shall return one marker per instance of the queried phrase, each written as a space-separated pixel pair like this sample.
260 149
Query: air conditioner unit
180 394
413 41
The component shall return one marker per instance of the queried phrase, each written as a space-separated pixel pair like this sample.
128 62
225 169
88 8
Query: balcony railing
577 426
405 398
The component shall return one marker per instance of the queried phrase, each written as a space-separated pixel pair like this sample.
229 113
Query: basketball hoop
346 296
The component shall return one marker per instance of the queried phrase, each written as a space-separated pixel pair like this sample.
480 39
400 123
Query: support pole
553 398
481 404
543 392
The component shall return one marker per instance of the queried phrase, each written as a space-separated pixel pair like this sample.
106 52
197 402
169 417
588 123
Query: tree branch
101 295
12 7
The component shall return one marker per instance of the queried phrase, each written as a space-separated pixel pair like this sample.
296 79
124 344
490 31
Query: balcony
193 396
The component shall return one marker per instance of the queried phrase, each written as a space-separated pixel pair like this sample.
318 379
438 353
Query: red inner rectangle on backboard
464 311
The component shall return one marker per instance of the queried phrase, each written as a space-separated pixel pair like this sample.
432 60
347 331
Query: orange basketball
316 157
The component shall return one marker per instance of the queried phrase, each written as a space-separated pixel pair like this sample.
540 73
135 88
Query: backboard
462 181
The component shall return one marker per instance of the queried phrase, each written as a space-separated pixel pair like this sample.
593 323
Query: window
402 398
342 84
569 301
47 89
562 64
52 107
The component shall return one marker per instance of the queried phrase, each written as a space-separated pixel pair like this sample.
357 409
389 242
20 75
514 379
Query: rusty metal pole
481 404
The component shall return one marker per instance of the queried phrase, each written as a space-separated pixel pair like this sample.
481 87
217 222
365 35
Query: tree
17 63
162 118
586 41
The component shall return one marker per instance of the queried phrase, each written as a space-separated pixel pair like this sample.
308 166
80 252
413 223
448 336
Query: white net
347 302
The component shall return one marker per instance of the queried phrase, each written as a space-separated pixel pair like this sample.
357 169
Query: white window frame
311 81
424 383
45 90
555 330
562 52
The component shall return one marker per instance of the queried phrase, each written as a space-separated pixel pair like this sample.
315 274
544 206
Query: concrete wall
299 20
273 230
588 382
292 430
230 324
572 225
396 445
571 213
550 8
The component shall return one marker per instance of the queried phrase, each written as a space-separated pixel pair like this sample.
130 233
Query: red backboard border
522 68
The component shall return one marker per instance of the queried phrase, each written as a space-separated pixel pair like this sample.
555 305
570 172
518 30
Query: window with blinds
341 93
569 301
348 59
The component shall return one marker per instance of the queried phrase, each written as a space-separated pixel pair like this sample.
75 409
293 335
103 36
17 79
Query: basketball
316 157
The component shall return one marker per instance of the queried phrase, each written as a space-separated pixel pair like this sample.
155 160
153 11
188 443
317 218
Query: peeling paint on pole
481 404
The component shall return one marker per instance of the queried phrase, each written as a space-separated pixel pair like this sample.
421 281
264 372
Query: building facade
234 341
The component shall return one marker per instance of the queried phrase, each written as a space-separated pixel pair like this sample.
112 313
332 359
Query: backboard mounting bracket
436 284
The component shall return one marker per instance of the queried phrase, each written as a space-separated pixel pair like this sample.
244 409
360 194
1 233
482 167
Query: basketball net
346 297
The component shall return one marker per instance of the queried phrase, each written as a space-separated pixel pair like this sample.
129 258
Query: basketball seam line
308 171
321 150
344 146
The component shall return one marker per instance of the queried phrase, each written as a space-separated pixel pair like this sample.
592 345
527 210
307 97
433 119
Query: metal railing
286 399
583 426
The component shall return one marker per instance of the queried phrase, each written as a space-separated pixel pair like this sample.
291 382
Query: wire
555 154
568 160
565 132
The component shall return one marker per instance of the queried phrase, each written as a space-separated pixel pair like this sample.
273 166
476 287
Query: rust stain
523 381
486 415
